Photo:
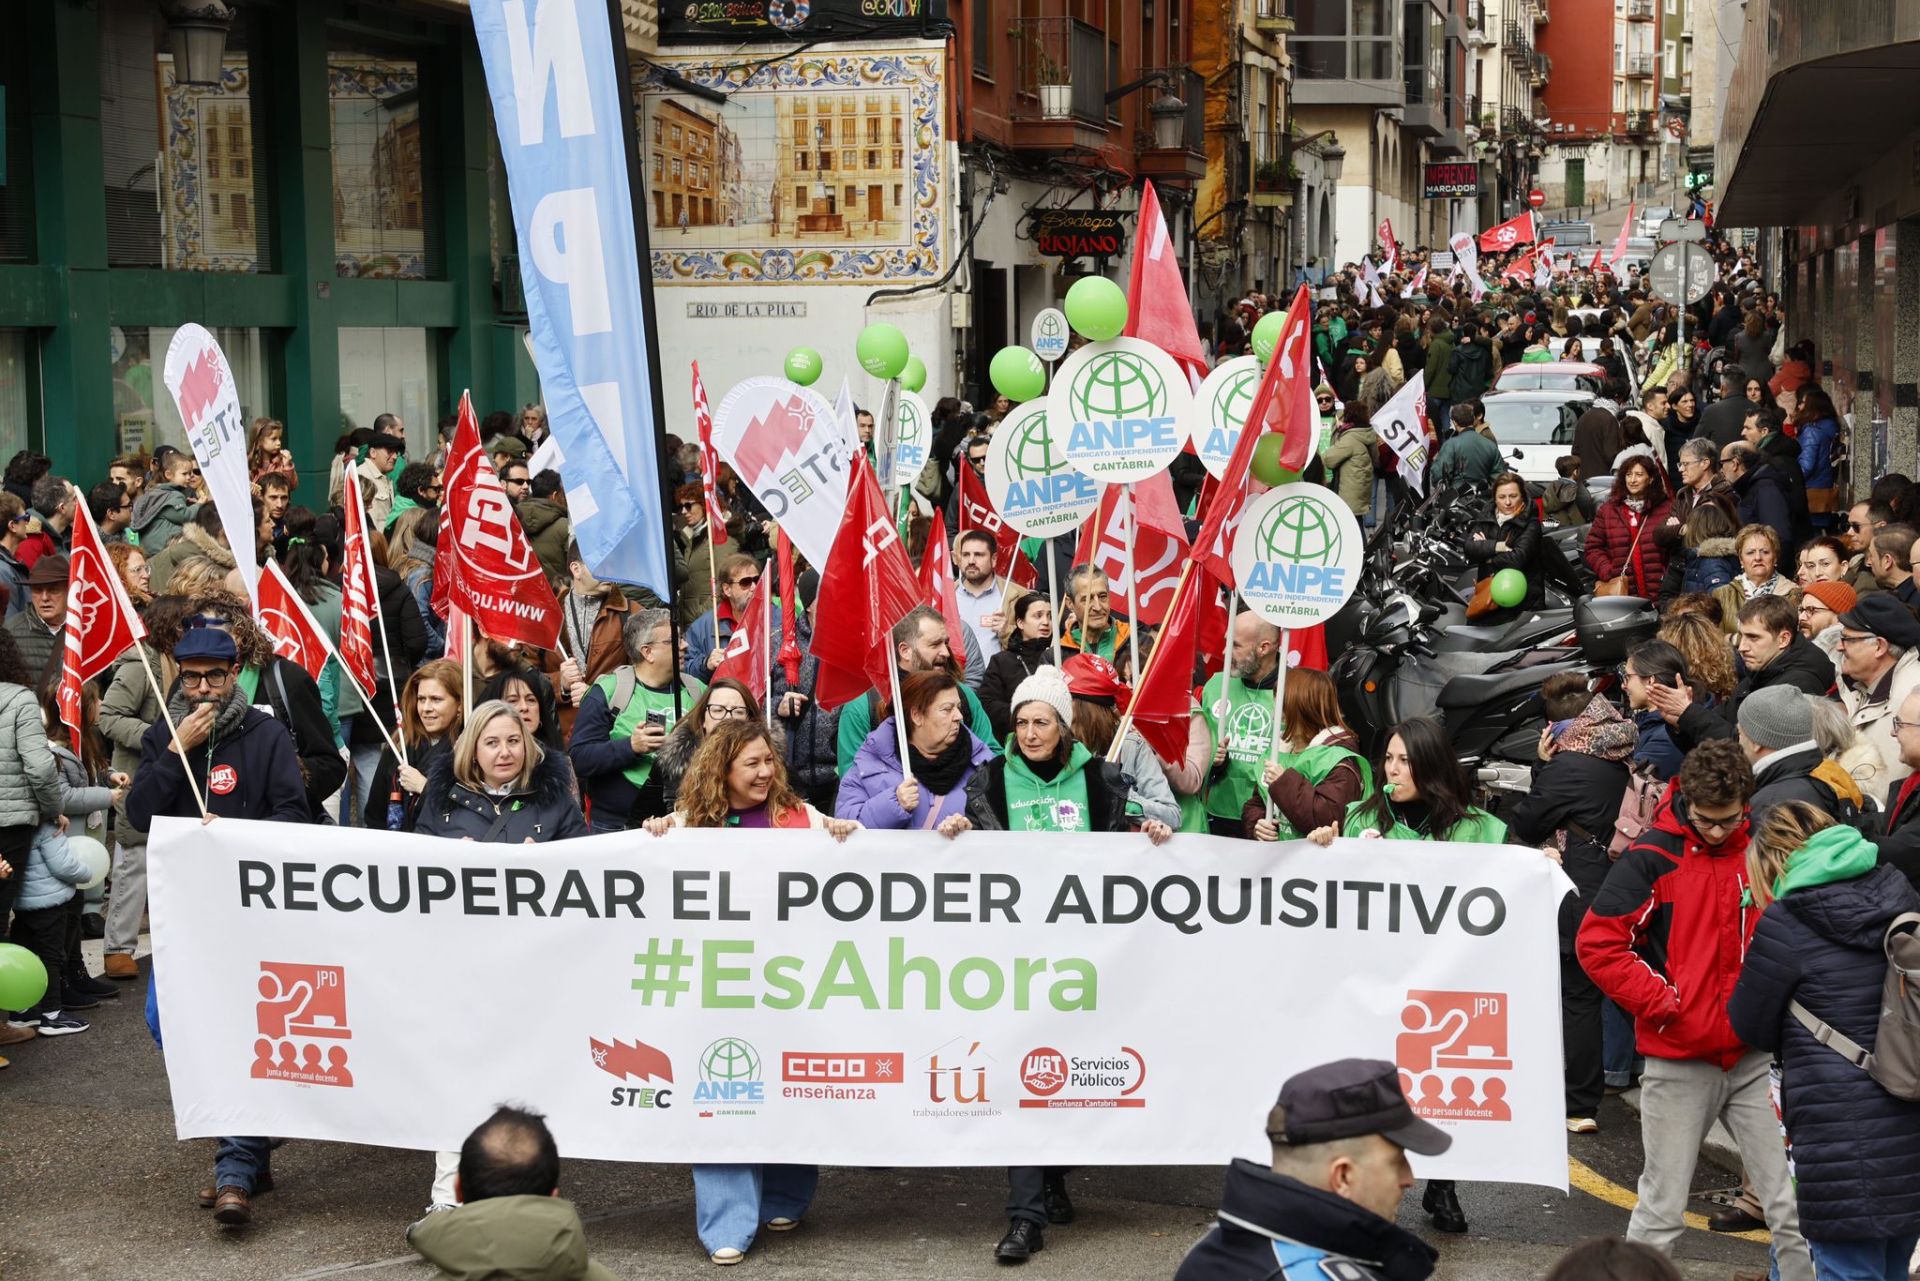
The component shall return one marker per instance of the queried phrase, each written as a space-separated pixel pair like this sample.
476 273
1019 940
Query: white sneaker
726 1256
1582 1125
782 1225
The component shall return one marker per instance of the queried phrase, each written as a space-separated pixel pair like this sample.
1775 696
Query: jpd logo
302 1020
1450 1050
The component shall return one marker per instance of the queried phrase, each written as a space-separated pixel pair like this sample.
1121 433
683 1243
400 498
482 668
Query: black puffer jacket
1525 552
1856 1148
1005 671
1580 794
1802 665
544 810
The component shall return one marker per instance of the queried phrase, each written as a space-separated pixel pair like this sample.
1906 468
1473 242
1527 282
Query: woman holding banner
738 779
430 720
1319 775
1424 798
942 757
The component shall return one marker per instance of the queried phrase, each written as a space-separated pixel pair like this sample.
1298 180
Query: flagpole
1140 681
1133 589
766 643
899 720
153 683
1279 720
397 742
1053 596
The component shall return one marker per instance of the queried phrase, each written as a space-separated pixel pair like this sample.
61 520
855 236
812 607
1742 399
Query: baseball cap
1351 1097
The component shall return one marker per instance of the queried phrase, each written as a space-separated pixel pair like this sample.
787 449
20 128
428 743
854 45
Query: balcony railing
1274 17
1639 65
1539 68
1060 70
1519 42
1270 159
1190 87
1641 11
1639 122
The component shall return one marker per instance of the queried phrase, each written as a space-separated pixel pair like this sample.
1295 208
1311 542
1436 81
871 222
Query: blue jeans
730 1202
1616 1046
241 1162
1884 1260
357 794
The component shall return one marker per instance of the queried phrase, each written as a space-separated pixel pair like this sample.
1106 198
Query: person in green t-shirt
1425 798
624 719
1319 771
1237 706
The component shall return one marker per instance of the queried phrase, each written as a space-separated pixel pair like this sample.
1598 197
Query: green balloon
1266 461
1017 374
804 366
882 349
23 979
1096 308
1266 334
914 376
1509 587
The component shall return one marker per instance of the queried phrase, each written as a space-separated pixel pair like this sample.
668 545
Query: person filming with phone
624 719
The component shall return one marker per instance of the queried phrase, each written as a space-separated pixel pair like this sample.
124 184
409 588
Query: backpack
1895 1059
1641 799
625 681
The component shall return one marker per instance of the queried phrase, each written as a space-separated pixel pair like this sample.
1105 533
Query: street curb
1718 1147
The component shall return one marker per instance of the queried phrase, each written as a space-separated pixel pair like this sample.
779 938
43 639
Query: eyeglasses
1901 727
1851 638
687 507
720 713
208 680
749 581
1856 527
1703 824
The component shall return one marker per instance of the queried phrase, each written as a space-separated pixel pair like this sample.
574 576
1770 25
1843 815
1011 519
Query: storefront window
381 223
390 371
19 390
143 413
185 182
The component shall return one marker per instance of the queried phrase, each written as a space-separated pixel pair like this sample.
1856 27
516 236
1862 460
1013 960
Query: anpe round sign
1119 409
1220 410
1050 334
913 437
1297 555
1028 480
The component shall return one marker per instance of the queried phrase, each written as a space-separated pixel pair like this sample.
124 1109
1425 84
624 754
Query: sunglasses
751 580
687 507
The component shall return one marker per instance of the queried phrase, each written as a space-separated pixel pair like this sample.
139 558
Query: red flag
866 588
1159 548
1385 232
1210 650
459 644
100 624
287 621
1284 404
1163 698
358 600
974 510
1520 269
789 612
1159 311
936 579
490 569
1596 266
1517 230
1620 245
709 462
745 655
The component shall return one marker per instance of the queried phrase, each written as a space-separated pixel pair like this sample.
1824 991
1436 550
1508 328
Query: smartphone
657 718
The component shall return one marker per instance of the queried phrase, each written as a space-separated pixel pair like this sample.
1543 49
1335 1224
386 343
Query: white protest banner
201 381
1220 407
1466 257
1401 425
787 446
1029 481
1119 409
730 995
1297 554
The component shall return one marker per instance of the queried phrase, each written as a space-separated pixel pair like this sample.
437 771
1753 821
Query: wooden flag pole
899 715
1279 723
1133 590
396 740
153 683
1153 656
766 643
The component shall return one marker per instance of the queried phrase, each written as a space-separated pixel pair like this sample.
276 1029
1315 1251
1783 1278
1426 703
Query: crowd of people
1736 814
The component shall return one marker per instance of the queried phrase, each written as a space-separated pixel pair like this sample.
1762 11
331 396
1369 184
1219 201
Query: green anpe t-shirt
1249 728
644 702
1036 805
1314 764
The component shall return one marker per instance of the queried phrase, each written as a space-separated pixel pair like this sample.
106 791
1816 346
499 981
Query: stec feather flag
101 622
1157 308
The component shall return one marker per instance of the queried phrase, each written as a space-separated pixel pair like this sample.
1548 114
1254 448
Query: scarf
1599 730
1636 505
941 774
233 710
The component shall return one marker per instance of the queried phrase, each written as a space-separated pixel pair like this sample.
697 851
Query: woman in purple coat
942 754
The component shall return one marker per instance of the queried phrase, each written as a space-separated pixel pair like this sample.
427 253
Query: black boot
1442 1205
1022 1242
1059 1204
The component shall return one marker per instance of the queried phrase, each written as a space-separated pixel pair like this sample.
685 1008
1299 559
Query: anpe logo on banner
1223 402
729 1073
913 436
1453 1047
1121 406
957 1080
1110 1080
1031 483
302 1018
638 1061
1297 555
840 1077
222 780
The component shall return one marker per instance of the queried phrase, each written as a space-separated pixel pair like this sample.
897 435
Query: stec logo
637 1061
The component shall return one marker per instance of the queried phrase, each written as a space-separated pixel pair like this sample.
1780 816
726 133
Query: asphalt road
93 1185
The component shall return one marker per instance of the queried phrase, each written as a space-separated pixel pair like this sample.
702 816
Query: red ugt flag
1159 312
745 656
1163 699
1284 404
709 462
1517 230
101 623
866 588
358 600
1159 548
936 579
287 621
492 572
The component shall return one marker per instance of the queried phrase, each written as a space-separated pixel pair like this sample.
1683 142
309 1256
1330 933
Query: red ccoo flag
492 573
709 462
745 655
359 598
1163 699
100 623
1159 548
1158 310
1517 230
936 580
1284 404
866 588
287 621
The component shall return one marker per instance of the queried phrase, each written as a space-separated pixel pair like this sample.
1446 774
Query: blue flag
553 75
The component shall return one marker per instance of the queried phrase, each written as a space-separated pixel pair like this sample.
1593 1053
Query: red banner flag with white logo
1163 700
1159 548
975 511
866 587
1158 310
359 598
287 621
492 572
1620 245
709 462
1517 230
101 622
936 582
745 656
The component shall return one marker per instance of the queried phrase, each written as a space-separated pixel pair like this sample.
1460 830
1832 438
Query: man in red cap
1821 604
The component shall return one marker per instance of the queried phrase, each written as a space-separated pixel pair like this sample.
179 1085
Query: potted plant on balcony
1273 182
1050 76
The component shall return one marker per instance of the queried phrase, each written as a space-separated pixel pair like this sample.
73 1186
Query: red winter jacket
1667 935
1611 539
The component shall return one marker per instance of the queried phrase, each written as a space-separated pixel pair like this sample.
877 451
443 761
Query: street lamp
1332 160
1169 114
197 30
